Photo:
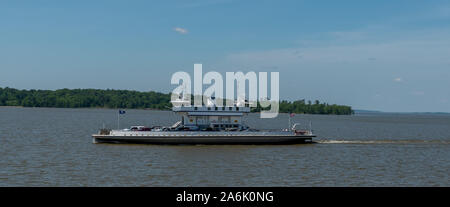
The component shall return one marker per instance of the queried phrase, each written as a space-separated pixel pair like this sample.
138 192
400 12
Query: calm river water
53 147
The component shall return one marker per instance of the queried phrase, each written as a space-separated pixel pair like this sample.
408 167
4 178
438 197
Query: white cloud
409 51
418 93
202 3
398 79
180 30
349 35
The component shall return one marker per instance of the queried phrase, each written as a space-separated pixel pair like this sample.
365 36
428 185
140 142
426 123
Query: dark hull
192 140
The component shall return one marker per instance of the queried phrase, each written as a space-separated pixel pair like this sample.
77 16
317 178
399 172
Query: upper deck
212 109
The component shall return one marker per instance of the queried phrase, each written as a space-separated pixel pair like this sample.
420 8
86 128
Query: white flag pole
289 127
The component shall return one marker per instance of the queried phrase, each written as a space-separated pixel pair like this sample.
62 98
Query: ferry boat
208 124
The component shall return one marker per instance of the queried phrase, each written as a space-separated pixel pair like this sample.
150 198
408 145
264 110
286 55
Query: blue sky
378 55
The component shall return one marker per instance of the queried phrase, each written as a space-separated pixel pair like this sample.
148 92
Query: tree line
84 98
109 98
308 107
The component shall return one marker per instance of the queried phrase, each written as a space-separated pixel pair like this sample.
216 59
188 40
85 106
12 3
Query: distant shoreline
357 112
127 99
26 107
30 107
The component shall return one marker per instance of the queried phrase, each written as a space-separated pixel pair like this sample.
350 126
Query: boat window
237 108
229 108
195 108
215 108
209 108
